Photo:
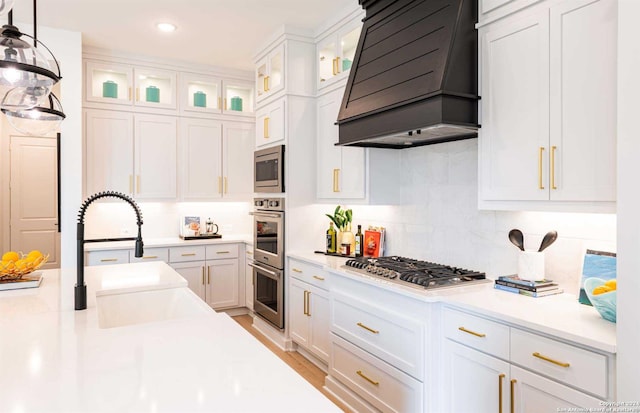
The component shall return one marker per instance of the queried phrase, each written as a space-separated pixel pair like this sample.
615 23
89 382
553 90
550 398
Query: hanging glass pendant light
39 120
26 77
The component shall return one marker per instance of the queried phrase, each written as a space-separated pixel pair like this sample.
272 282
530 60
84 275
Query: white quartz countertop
55 360
166 242
559 315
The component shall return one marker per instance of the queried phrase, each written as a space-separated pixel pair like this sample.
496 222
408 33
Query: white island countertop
55 360
560 316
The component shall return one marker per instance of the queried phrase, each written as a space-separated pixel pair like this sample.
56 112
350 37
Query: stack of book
514 284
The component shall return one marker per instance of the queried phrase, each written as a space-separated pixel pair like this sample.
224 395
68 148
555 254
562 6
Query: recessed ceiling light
166 27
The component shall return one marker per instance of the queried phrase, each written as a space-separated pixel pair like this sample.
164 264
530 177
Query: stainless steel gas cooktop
416 273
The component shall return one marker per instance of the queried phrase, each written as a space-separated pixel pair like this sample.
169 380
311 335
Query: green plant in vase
342 219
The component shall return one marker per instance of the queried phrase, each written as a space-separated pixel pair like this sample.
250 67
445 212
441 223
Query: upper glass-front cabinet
336 53
127 85
270 73
207 94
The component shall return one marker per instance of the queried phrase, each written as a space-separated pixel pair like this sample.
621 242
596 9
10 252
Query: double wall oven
268 255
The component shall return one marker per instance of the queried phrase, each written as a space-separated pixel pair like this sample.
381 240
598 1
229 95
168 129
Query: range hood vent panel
409 52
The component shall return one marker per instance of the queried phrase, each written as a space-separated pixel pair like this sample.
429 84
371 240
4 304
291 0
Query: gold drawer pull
500 377
550 360
108 260
471 332
368 328
296 270
361 374
553 167
188 254
540 185
223 252
318 278
148 257
513 397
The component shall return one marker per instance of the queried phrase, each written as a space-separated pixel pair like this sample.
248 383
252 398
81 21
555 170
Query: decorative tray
203 236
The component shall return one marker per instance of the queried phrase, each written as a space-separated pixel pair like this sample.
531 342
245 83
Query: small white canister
531 265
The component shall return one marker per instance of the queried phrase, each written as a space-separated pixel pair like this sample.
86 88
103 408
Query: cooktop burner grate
417 273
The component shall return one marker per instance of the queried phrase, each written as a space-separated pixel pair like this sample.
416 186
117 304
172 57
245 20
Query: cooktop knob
258 203
274 203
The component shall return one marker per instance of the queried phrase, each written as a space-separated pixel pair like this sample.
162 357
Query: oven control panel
268 204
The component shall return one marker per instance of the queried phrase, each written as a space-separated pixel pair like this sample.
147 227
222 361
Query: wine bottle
331 239
359 242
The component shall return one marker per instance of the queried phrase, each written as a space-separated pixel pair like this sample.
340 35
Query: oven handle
262 269
262 214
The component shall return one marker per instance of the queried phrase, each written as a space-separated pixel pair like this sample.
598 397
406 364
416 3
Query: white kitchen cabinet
150 254
132 154
122 84
548 136
222 283
340 170
336 51
270 123
194 273
270 72
523 369
216 159
308 303
204 94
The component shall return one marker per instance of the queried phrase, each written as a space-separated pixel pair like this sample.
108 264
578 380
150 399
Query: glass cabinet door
327 60
262 78
336 54
155 88
200 93
276 70
109 83
348 41
237 97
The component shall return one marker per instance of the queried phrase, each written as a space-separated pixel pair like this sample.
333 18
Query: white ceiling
214 32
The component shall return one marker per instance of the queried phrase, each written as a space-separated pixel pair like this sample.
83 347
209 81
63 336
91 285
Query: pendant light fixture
26 80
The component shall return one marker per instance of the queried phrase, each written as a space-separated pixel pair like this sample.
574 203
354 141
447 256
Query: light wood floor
295 360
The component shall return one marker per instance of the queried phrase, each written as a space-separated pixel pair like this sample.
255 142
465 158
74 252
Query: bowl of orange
15 265
603 296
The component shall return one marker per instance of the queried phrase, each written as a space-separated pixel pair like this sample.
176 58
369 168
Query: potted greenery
342 220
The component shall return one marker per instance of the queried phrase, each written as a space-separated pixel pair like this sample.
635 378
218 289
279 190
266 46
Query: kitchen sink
118 310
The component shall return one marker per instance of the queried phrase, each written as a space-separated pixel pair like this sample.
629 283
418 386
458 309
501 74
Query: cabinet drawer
183 254
383 386
308 273
222 251
482 334
563 362
107 257
387 334
151 254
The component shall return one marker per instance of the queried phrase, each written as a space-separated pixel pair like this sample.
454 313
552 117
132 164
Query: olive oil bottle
331 239
359 242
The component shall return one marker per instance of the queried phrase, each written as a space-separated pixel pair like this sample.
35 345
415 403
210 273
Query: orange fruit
601 289
11 256
33 255
613 284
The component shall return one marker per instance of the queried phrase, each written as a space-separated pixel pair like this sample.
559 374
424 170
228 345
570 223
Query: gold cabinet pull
336 180
130 184
513 396
220 184
550 360
108 260
473 333
225 103
266 127
137 94
553 167
368 328
334 69
361 374
540 151
137 184
149 257
500 377
337 65
219 102
129 92
208 275
202 275
265 85
188 254
309 303
318 278
226 184
305 304
296 270
223 252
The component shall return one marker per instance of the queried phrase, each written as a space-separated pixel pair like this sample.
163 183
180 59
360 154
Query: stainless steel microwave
268 170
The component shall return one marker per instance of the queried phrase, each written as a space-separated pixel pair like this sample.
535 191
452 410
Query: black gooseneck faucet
81 287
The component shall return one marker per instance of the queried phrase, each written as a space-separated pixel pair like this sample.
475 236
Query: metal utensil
549 238
516 238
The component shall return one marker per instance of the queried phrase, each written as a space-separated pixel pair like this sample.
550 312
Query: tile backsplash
438 220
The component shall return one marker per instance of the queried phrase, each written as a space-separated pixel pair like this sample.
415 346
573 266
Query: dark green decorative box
110 89
153 94
200 99
236 103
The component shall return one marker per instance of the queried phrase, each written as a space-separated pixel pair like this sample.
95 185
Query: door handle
266 127
513 389
540 185
226 184
208 275
137 184
553 167
137 94
500 377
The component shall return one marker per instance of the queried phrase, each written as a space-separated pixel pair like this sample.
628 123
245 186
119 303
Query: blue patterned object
598 264
605 303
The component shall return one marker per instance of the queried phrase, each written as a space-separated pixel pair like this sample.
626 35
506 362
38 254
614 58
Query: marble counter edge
456 298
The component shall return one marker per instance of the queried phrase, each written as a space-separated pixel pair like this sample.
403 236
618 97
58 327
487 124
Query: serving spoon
517 239
549 238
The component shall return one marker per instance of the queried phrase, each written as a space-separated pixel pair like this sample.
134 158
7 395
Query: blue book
526 292
517 280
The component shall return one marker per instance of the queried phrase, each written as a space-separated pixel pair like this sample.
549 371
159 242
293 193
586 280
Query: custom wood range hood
414 80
